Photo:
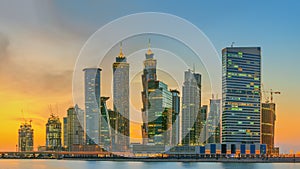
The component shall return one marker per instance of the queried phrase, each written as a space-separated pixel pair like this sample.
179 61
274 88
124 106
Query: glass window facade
241 81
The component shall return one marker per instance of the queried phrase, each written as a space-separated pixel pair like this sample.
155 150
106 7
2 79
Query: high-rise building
149 73
25 137
53 133
157 105
92 101
74 127
191 108
121 101
159 113
203 118
268 118
241 86
213 121
175 117
105 130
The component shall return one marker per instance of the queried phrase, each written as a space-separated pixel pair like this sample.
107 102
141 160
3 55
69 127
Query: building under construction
53 133
26 137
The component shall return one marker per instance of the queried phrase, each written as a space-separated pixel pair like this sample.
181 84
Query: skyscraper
25 137
53 133
241 83
175 117
268 118
92 104
157 105
213 121
105 130
191 108
149 73
121 101
74 127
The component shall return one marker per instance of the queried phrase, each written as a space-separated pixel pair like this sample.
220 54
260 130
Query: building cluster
238 123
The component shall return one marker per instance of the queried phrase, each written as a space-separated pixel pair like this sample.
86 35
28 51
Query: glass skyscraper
121 101
74 127
213 121
175 135
157 105
241 87
92 104
191 108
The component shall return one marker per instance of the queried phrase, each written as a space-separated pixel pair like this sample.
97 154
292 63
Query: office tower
74 127
241 83
92 101
191 108
25 137
175 135
213 121
159 113
203 120
105 130
198 126
268 118
157 105
149 73
121 101
53 133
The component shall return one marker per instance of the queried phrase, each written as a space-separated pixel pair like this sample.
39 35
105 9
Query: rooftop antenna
213 96
194 67
232 43
50 109
149 43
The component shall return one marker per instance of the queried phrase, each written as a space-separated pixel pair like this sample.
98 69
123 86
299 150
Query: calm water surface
67 164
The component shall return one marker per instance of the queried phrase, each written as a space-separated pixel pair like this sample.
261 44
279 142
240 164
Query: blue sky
38 34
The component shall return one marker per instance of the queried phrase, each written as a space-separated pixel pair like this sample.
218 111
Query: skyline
27 86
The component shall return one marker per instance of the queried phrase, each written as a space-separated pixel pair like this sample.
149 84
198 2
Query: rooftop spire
121 55
149 52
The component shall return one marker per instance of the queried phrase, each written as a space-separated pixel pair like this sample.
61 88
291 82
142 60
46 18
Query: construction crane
272 93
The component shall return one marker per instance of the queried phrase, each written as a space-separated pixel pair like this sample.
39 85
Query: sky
40 41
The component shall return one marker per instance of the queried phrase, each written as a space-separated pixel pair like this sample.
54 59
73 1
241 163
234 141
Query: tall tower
121 101
213 121
191 109
53 133
92 104
149 73
268 118
175 135
157 105
105 133
74 127
26 137
241 87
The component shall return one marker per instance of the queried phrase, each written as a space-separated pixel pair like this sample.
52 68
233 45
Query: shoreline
211 160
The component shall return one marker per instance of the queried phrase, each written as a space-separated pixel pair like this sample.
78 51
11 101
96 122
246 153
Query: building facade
53 133
213 121
157 105
25 138
241 87
191 108
92 104
175 137
121 101
268 118
105 130
74 128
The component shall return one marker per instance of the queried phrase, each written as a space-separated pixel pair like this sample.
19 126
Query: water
68 164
